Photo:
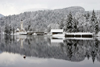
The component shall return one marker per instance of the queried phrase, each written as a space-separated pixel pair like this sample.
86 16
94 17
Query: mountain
42 20
1 15
73 10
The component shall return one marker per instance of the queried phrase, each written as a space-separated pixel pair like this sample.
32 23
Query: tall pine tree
94 22
75 24
6 29
96 27
69 23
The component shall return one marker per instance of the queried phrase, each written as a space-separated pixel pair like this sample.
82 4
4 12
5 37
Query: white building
20 31
57 33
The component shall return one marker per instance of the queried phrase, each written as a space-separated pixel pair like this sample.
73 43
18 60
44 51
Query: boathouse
80 34
56 31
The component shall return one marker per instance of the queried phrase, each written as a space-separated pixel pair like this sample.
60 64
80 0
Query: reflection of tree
96 44
71 50
95 50
93 54
71 47
8 39
78 49
62 46
87 55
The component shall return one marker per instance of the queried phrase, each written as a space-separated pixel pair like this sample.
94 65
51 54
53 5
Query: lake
43 51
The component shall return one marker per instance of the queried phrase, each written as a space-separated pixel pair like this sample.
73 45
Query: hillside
43 19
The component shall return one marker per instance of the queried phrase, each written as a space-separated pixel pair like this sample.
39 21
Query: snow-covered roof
17 29
80 33
79 38
56 30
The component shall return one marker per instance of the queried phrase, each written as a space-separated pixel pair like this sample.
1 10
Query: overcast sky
9 7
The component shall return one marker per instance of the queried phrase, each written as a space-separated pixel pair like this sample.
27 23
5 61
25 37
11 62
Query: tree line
79 22
71 24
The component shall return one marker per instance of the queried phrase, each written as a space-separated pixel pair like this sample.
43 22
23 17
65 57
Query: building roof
56 30
17 29
80 33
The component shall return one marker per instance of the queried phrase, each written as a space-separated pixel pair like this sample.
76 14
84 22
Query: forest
71 19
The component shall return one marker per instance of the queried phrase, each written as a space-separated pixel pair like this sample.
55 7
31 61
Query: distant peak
75 7
1 15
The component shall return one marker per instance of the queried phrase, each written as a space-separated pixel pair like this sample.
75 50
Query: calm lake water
42 51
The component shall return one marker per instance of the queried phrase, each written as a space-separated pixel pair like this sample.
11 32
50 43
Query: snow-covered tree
87 16
93 17
69 23
61 24
6 29
42 18
96 27
75 25
94 22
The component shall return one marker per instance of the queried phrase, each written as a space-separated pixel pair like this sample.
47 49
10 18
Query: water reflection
45 47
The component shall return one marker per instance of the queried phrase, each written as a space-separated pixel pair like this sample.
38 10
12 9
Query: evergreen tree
10 29
61 24
49 29
87 16
93 17
29 26
94 22
69 23
75 23
96 27
13 30
6 29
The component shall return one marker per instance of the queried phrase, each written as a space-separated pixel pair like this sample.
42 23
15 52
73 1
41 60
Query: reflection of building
56 40
21 38
21 43
57 33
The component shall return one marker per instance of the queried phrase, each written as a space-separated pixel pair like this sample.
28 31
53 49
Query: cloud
8 7
34 7
16 7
